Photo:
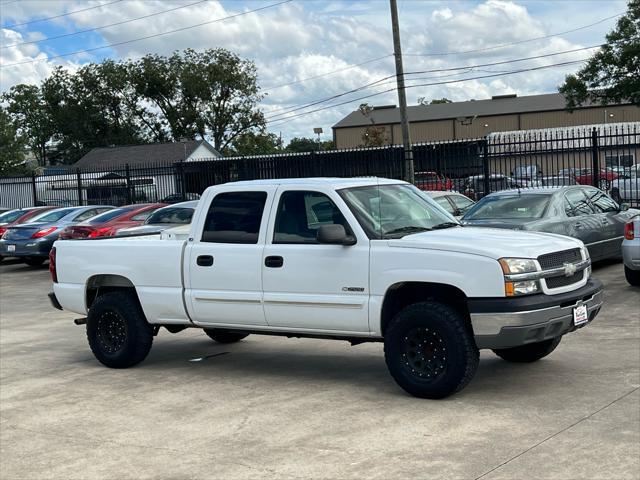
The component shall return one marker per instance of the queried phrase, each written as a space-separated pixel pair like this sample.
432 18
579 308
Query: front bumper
510 322
26 248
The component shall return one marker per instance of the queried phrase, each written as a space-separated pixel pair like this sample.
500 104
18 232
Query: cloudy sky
310 50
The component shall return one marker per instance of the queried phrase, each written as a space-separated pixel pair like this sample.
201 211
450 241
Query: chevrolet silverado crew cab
362 260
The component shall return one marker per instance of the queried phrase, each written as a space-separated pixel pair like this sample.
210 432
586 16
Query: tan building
474 119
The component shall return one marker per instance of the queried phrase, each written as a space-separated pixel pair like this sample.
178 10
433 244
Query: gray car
579 211
33 239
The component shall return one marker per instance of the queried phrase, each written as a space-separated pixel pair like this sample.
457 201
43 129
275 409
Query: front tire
117 330
632 276
224 336
430 350
531 352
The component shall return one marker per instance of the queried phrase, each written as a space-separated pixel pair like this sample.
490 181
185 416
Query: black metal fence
601 155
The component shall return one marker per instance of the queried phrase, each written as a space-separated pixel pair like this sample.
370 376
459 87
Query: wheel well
403 294
98 285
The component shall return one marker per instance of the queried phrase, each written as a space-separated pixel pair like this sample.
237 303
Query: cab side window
576 203
234 217
300 215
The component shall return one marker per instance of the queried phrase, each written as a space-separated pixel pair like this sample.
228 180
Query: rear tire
430 350
632 276
531 352
117 330
34 261
224 336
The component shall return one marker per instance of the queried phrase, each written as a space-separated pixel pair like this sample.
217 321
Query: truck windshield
393 211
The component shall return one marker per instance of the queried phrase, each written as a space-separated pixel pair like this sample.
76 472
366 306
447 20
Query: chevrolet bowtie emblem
569 269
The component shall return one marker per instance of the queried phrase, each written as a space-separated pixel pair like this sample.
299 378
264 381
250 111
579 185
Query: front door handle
273 262
204 260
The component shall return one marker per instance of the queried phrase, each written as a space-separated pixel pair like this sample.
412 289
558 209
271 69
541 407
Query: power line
515 43
512 72
293 108
86 50
62 15
103 26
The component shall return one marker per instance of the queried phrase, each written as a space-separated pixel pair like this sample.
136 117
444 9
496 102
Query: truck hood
488 242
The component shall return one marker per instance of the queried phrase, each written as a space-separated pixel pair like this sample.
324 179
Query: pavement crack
557 433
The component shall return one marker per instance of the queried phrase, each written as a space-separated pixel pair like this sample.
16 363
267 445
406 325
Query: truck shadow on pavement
264 362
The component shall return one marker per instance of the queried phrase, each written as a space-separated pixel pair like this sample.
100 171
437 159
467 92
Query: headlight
515 266
512 266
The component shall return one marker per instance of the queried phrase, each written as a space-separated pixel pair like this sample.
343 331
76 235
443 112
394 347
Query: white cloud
299 40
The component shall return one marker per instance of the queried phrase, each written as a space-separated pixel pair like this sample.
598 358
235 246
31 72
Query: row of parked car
29 233
587 213
623 183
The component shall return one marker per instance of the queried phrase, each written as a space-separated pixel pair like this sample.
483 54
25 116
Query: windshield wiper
407 229
445 225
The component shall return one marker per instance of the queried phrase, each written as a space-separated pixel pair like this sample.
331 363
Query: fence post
485 168
127 176
595 159
79 186
34 190
183 182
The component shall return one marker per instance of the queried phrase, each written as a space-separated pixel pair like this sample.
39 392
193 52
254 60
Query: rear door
223 259
611 219
312 286
582 222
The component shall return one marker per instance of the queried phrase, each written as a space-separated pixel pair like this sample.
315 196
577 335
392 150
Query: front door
223 264
312 286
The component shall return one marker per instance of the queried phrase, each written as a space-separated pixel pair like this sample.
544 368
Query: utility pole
402 96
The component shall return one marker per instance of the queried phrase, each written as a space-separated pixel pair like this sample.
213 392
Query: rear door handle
273 262
204 260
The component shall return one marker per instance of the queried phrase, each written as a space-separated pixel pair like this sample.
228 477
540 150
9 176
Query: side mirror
334 235
457 212
624 207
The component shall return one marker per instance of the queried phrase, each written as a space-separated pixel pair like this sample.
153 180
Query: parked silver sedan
631 251
579 211
454 203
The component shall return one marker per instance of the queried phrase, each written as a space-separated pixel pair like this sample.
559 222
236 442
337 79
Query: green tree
612 74
11 145
32 117
254 143
302 144
88 109
437 101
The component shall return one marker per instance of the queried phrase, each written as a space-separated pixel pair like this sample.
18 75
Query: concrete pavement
271 407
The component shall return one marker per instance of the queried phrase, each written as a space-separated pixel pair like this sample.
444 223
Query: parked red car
108 223
432 181
585 177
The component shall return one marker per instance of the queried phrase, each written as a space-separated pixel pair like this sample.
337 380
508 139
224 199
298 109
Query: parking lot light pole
402 96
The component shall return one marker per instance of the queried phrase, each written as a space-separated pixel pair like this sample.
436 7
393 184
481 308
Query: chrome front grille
557 282
558 259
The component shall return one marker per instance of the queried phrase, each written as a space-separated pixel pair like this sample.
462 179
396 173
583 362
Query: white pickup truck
349 259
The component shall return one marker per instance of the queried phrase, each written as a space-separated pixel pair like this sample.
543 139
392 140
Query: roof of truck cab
320 181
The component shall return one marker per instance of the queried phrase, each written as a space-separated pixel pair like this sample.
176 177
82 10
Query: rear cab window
234 217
